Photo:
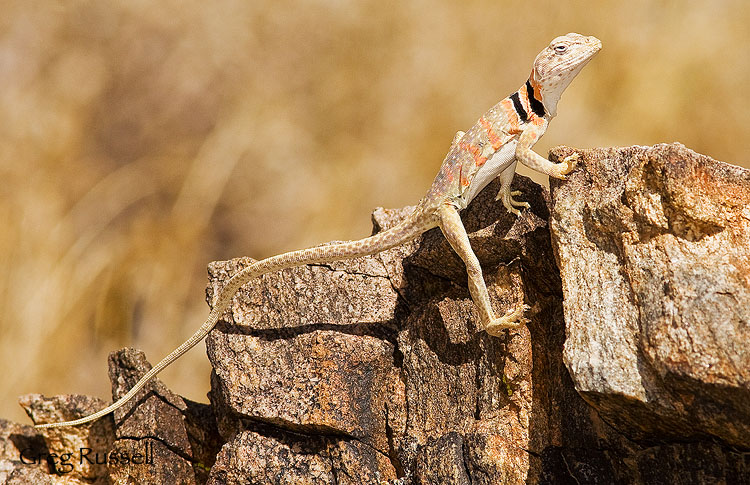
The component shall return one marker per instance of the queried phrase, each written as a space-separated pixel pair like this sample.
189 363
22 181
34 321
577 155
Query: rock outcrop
374 370
379 361
653 246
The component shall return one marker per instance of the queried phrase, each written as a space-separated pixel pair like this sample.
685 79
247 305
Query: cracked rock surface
653 246
373 370
379 360
158 437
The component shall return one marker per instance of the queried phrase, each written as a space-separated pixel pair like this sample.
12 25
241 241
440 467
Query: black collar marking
522 114
536 106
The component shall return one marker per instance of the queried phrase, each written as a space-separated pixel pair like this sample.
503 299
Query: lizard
491 148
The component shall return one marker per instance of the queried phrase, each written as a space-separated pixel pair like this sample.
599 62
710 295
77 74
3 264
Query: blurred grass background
141 140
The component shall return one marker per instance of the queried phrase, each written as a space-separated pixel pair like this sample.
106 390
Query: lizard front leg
455 233
533 160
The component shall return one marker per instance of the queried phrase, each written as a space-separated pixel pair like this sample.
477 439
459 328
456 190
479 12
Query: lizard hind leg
455 233
511 320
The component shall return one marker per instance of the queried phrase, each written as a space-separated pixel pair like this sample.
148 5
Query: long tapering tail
402 232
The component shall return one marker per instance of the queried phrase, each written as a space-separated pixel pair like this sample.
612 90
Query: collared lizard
503 136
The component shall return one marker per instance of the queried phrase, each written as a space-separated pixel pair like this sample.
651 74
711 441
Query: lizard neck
546 96
538 106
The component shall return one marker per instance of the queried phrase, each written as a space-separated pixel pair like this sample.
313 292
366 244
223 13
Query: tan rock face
653 246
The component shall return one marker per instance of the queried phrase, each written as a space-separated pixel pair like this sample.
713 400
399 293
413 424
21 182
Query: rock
373 370
65 448
383 352
653 246
272 457
161 437
23 455
156 438
330 374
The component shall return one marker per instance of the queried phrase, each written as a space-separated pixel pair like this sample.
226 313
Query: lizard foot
567 165
509 202
513 319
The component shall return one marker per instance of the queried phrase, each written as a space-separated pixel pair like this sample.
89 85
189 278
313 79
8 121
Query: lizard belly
493 167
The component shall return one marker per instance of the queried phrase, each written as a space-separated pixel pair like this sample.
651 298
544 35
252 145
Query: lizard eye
560 48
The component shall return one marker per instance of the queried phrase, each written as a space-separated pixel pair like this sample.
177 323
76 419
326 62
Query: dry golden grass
141 140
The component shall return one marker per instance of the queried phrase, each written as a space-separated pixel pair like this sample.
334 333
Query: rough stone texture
654 251
272 457
373 370
384 352
176 433
653 245
156 438
23 455
64 445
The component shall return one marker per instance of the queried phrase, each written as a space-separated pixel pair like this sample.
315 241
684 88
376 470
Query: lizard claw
513 319
567 165
509 202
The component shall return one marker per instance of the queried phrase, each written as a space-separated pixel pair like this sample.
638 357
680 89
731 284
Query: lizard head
557 65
